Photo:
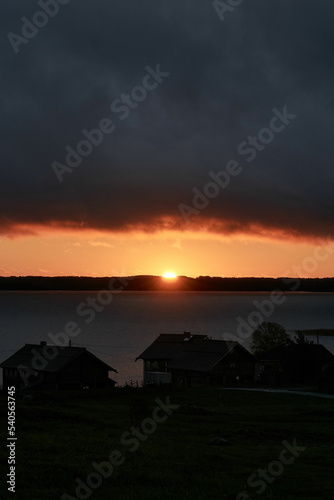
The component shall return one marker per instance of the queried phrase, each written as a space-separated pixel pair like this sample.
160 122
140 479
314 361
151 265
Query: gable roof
25 357
167 346
204 355
197 352
196 361
294 352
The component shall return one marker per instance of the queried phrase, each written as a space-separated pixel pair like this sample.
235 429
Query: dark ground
60 438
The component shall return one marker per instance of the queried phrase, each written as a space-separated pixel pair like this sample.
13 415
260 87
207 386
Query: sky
186 136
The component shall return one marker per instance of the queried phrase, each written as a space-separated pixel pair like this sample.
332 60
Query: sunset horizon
161 276
94 253
167 249
144 163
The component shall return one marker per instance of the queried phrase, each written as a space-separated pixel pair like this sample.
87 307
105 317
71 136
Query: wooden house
196 360
294 364
47 367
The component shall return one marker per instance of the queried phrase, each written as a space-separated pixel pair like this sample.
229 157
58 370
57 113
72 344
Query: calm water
125 327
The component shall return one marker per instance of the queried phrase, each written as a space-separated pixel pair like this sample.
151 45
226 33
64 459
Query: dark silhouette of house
326 378
294 363
196 360
47 367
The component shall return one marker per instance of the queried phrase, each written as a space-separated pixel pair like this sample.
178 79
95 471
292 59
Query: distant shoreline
158 284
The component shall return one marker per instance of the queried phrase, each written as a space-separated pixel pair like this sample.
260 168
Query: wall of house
12 376
156 365
82 372
154 370
270 373
235 368
157 378
186 378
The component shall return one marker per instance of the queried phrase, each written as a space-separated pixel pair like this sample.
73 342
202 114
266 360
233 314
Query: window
149 365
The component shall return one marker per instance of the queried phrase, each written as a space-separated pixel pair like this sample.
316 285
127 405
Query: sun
169 276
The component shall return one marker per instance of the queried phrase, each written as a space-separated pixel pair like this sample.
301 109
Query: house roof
30 354
196 353
196 361
293 352
167 346
202 356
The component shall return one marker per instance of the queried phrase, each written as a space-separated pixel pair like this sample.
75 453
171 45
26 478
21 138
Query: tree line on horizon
156 283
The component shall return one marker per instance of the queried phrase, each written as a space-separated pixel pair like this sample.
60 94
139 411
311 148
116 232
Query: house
159 355
326 378
294 363
196 360
47 367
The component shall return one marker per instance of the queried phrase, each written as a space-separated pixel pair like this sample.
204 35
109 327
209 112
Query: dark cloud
225 79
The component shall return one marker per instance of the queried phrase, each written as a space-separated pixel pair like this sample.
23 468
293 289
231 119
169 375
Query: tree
267 336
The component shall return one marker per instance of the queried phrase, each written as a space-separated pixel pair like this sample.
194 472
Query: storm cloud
224 79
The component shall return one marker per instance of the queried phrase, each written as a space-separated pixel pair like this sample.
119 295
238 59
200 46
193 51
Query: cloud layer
224 80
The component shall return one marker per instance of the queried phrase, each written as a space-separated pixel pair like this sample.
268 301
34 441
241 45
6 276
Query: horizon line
160 276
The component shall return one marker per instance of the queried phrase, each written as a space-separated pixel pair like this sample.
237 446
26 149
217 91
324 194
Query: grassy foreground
58 440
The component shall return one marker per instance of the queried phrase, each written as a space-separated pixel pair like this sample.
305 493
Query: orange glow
98 253
169 276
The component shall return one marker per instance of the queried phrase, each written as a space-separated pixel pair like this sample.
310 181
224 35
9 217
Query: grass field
58 440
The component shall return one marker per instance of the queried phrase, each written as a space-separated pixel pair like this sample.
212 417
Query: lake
118 332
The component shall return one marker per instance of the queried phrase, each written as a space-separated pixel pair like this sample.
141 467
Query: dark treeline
156 283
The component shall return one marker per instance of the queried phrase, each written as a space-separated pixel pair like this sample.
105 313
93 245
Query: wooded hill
156 283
